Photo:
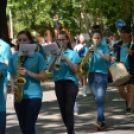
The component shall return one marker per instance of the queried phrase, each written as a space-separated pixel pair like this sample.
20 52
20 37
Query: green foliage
39 14
48 74
112 10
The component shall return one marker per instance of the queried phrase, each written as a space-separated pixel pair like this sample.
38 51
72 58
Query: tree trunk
128 13
3 21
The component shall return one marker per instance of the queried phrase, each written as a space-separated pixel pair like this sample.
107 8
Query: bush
48 74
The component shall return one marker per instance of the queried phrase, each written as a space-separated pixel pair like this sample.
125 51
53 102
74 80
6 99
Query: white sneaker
75 112
84 92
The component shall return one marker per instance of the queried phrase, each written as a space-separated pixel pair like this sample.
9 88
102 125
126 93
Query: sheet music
51 49
27 49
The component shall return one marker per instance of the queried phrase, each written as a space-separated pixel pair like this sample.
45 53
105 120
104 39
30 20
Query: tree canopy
111 10
40 14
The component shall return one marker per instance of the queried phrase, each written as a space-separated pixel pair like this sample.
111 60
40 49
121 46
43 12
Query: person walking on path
66 83
97 77
82 79
125 54
33 70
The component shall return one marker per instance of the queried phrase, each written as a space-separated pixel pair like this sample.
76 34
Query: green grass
48 74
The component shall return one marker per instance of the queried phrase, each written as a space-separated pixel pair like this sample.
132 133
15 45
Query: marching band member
97 28
122 50
3 74
116 39
66 83
5 54
98 75
83 78
33 70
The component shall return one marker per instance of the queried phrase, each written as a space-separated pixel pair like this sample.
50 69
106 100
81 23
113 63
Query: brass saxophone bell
20 81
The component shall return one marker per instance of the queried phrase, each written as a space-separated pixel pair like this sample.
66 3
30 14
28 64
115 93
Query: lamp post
10 19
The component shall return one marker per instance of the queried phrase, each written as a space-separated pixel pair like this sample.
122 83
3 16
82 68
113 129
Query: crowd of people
99 55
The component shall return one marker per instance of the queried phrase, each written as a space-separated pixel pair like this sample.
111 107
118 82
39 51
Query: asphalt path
50 122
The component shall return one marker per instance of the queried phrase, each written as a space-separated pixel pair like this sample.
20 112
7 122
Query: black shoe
97 125
103 124
129 111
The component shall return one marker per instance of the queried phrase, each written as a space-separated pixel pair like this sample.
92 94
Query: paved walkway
50 122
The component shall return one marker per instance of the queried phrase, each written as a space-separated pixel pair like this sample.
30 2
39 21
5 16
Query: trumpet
57 65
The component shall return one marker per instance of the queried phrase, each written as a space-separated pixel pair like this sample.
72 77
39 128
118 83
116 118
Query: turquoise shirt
41 49
3 70
98 64
33 63
104 41
66 73
5 54
123 54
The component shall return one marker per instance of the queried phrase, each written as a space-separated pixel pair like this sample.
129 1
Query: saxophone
20 81
84 67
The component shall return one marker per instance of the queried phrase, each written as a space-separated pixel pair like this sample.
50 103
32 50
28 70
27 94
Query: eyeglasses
61 40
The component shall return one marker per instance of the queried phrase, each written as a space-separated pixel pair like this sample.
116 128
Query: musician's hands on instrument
14 89
129 51
93 48
113 59
22 71
63 58
88 45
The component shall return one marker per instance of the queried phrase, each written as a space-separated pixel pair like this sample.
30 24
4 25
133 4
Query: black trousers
66 92
27 112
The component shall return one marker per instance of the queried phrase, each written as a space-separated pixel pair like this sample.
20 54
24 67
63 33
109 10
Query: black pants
66 91
27 112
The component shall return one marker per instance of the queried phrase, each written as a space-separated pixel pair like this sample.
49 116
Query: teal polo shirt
33 63
41 49
66 73
98 64
3 70
123 54
104 41
5 54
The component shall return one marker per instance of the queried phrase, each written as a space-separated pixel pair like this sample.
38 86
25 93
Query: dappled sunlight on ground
50 122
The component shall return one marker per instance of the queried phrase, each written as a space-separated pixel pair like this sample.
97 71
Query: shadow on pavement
50 122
